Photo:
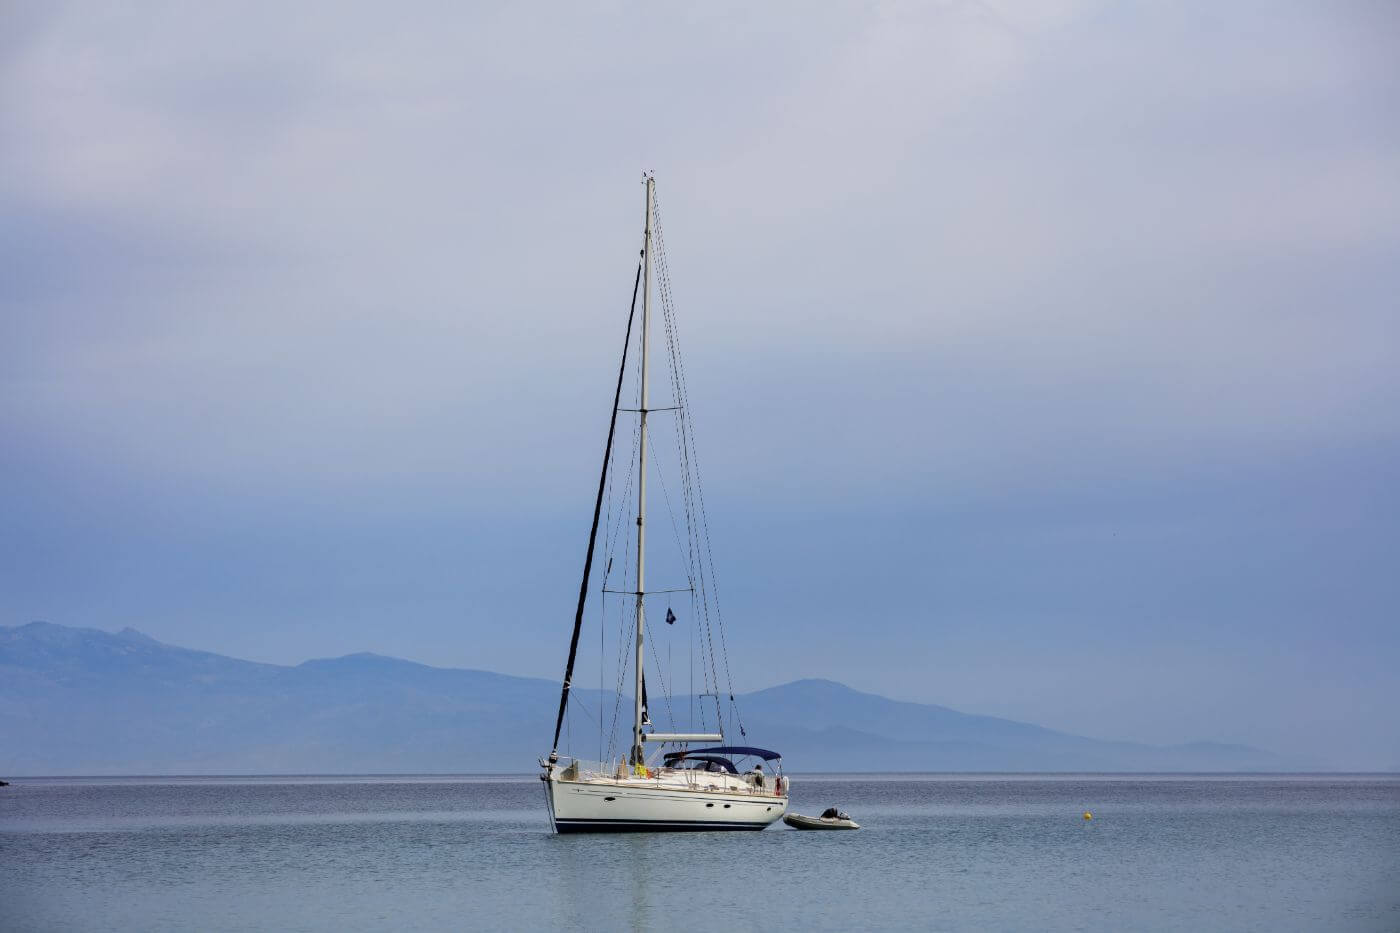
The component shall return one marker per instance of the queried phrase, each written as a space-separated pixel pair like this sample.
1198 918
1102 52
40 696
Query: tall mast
637 752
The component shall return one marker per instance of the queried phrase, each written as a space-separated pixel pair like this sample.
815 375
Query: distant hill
82 701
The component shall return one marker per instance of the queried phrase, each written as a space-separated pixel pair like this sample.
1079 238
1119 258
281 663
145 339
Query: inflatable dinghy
831 818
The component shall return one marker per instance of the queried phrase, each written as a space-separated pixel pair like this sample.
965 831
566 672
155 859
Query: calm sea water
954 852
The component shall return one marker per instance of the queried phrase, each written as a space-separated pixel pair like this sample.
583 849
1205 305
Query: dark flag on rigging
670 616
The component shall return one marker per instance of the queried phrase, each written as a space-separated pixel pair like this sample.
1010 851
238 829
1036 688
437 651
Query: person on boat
758 775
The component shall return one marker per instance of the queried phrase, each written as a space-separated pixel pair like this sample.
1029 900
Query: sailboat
667 781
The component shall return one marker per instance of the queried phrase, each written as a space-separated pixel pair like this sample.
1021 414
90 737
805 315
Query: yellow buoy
1088 815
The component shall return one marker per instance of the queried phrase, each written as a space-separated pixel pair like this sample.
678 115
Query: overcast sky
1045 361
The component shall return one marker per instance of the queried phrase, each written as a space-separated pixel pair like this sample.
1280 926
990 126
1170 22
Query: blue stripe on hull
648 826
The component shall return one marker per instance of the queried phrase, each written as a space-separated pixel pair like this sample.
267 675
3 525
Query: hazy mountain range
82 701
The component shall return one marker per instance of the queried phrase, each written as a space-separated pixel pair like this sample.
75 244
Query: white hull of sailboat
646 806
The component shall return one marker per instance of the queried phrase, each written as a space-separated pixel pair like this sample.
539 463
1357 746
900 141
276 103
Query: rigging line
687 492
602 604
678 369
696 567
611 546
602 673
624 645
661 479
684 442
690 665
607 516
615 530
609 555
597 508
677 394
586 711
665 691
695 700
714 583
626 632
710 677
632 458
624 651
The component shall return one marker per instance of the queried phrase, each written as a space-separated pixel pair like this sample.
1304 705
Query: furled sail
597 512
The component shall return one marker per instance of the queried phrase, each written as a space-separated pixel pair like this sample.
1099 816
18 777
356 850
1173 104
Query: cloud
1018 260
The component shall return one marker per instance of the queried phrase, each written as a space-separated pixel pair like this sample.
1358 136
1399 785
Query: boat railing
580 769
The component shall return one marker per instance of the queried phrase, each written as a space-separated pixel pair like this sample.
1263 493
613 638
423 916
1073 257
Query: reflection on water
941 851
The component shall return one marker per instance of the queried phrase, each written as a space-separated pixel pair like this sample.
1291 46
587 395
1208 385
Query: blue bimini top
763 753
